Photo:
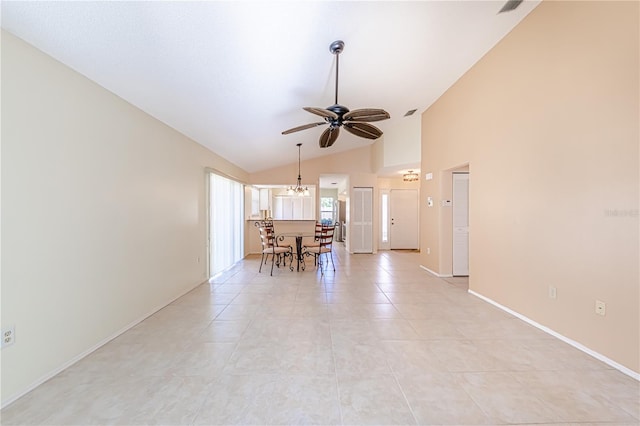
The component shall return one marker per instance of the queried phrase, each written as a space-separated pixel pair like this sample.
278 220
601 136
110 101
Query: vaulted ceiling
232 75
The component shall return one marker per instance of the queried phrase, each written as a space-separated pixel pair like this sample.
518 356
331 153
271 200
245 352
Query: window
384 221
326 209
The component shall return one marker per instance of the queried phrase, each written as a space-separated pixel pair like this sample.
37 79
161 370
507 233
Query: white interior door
403 231
362 221
460 224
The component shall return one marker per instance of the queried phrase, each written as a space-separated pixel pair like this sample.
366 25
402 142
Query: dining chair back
316 238
271 248
324 247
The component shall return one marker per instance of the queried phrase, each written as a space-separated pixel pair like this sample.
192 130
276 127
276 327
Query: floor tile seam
406 400
636 415
277 374
201 406
511 339
225 308
612 402
534 393
477 403
236 345
564 418
412 327
335 375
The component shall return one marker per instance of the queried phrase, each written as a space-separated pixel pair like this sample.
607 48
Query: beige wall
402 142
353 161
548 123
356 164
103 215
399 147
397 183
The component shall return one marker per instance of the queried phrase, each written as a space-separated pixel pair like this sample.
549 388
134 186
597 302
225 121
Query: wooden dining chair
324 247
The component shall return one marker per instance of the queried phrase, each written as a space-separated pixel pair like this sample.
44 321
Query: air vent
410 112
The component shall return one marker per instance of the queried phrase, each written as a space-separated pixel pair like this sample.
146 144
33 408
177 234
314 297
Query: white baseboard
565 339
435 273
95 347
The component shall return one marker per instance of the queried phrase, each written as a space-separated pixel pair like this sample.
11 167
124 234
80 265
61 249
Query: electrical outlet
8 336
553 293
428 250
601 308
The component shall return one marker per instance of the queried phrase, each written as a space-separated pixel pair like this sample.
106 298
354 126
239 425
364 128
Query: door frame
445 223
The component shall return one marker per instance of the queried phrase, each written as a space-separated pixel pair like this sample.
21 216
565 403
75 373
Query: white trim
95 347
435 273
565 339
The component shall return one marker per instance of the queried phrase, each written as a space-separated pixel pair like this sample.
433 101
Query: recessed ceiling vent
410 112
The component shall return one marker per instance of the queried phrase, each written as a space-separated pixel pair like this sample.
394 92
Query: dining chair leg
261 262
320 263
273 259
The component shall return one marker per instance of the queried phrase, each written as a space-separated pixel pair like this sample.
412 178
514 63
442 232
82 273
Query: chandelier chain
298 189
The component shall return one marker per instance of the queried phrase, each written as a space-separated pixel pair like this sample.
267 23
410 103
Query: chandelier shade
298 189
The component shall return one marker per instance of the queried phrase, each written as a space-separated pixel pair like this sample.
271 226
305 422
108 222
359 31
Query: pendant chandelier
298 189
410 177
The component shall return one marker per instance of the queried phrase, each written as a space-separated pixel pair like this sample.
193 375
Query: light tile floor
380 341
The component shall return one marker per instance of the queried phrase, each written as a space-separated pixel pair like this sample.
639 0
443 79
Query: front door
403 231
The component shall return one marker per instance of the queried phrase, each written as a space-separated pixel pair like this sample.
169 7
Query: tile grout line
235 349
406 400
335 366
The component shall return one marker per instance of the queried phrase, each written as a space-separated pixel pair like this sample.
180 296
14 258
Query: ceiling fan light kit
336 115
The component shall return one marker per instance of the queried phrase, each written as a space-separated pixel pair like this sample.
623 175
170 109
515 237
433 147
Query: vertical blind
226 224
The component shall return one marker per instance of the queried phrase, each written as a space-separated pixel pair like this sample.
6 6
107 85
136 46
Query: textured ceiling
233 75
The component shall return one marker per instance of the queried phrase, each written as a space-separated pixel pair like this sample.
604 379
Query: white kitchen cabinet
293 208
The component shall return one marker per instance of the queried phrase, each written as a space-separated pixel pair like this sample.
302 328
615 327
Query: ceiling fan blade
510 5
367 114
329 136
322 112
304 127
364 130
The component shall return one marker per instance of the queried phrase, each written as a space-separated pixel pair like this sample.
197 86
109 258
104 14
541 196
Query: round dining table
298 236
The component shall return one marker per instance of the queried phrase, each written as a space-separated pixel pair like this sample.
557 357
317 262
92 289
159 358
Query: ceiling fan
336 115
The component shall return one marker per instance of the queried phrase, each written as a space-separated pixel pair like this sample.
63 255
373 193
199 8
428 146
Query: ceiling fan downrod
336 48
